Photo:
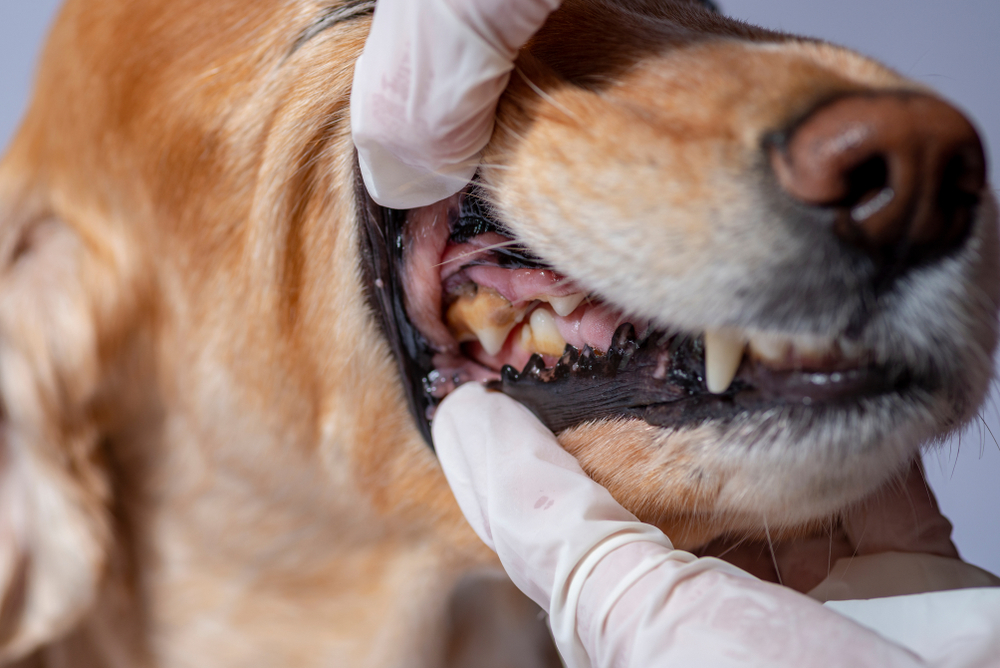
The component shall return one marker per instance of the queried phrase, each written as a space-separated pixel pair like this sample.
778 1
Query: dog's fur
207 454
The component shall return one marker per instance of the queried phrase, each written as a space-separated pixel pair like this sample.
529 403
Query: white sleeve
425 91
950 629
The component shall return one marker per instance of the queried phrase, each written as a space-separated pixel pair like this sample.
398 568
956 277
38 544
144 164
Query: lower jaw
660 379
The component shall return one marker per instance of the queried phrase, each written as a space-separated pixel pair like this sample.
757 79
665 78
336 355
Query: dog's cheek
54 493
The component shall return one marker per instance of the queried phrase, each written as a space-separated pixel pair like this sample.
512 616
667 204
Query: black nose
902 171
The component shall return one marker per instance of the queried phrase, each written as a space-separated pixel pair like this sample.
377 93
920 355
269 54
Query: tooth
563 306
545 336
851 349
769 347
811 345
492 338
487 317
526 336
723 352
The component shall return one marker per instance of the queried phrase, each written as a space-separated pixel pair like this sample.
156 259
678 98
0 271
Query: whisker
857 547
507 128
548 98
488 188
489 165
986 424
829 553
770 545
731 547
484 249
565 280
958 451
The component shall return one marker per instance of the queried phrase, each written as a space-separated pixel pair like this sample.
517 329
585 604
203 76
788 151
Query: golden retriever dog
743 276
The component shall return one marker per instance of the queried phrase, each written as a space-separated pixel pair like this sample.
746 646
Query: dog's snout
903 171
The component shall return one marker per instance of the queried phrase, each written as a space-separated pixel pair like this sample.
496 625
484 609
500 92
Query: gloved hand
426 88
618 594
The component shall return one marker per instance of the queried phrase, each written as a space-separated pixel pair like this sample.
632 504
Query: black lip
382 246
660 379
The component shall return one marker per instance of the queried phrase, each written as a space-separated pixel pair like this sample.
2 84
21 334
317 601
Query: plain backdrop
952 45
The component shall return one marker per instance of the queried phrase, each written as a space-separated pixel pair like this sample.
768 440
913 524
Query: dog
744 276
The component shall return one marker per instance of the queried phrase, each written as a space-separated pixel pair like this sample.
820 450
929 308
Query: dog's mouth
463 300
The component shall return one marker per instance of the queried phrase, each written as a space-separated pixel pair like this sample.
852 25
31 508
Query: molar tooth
563 306
545 336
723 352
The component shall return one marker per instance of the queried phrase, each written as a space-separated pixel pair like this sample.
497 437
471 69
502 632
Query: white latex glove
618 594
426 88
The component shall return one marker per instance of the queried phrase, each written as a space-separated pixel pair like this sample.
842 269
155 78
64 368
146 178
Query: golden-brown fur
208 458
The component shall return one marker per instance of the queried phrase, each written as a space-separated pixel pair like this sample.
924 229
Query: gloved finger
524 495
425 91
550 524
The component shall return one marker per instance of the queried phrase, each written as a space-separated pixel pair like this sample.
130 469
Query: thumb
524 495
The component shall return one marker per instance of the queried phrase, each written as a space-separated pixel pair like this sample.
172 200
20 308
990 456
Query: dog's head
193 287
744 276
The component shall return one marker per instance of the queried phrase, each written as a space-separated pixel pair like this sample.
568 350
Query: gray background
952 45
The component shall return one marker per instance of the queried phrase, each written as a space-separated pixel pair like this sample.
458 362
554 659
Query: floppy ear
55 527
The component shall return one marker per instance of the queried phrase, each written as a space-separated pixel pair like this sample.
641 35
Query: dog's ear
55 526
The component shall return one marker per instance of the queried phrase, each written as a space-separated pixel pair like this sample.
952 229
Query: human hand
615 590
894 542
426 88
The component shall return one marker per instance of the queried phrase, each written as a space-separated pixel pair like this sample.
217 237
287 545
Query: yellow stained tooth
527 339
546 338
723 352
486 317
493 338
563 306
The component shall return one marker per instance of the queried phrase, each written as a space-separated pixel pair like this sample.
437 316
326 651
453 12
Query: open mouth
462 300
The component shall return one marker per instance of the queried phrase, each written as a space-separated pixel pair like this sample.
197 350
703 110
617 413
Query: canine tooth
723 352
545 336
563 306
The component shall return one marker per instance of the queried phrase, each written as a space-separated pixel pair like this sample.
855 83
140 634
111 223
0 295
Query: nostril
866 182
902 172
962 181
